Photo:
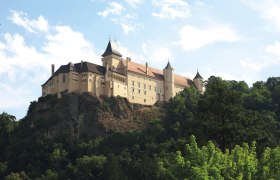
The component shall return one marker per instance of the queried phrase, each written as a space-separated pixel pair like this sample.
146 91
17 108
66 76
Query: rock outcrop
83 116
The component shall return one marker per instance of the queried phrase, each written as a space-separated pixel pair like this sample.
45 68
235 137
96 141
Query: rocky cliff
83 116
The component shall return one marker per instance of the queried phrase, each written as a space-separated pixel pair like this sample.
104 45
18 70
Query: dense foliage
229 132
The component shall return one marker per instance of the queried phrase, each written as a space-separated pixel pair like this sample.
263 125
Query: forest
232 131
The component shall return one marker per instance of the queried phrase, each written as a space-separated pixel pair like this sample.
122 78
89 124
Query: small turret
168 82
198 82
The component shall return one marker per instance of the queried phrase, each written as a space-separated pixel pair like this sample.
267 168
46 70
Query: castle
119 77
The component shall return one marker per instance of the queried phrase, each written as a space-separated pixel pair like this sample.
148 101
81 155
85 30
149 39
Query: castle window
139 91
132 90
132 97
145 92
132 82
139 84
144 86
63 78
155 88
166 88
144 100
84 80
150 87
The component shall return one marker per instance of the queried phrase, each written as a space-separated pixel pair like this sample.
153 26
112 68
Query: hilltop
76 116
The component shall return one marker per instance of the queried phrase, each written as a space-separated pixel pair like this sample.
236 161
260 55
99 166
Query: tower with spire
111 57
112 61
169 89
198 82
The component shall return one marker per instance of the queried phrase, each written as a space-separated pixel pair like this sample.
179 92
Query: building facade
119 77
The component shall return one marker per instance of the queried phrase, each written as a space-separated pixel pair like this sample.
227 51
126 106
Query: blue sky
233 39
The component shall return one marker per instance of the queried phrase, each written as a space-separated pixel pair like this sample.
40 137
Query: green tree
7 125
17 176
269 167
259 98
209 162
219 112
181 112
90 167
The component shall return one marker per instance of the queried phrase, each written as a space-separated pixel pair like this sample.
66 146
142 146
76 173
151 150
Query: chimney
52 69
127 60
146 68
71 66
82 63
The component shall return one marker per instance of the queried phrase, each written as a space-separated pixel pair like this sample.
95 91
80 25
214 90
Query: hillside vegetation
229 132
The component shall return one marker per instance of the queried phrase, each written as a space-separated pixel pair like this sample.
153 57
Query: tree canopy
231 131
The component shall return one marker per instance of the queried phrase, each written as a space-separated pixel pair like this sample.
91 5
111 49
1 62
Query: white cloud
274 49
268 9
252 66
133 3
225 76
65 45
114 8
161 55
21 19
127 23
127 27
127 53
23 67
171 9
119 15
156 55
193 38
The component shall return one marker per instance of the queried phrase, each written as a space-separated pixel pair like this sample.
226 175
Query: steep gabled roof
197 76
155 73
168 66
112 48
80 68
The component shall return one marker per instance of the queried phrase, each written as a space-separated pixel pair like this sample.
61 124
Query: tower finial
115 39
109 37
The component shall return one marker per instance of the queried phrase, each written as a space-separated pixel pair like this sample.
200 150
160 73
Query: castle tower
169 89
111 56
198 82
111 60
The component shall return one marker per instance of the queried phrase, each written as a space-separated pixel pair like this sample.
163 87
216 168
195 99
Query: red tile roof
156 73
